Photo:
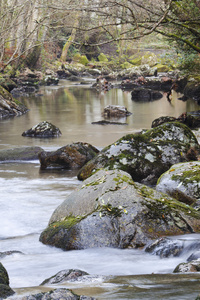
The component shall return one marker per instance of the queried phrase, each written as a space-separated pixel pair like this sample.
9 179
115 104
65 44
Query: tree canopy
27 25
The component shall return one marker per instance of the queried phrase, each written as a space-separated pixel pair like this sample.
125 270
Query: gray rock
65 275
146 155
110 210
58 294
22 153
43 130
182 181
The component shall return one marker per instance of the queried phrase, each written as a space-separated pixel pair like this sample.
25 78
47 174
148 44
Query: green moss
162 68
188 176
136 61
102 57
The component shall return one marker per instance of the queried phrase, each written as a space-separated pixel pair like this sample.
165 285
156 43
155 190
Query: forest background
42 33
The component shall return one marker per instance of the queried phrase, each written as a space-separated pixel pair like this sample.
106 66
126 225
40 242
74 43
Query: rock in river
146 155
111 210
70 157
182 181
43 130
21 153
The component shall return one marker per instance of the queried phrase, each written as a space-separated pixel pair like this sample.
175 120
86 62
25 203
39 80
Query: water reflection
74 108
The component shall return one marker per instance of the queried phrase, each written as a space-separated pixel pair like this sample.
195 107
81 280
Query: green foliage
102 57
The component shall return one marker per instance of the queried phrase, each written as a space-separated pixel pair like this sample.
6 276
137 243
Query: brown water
29 197
73 108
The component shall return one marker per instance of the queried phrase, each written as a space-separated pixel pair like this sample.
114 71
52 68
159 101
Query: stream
29 197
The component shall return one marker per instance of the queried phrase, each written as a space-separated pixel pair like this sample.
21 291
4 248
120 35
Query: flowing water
29 197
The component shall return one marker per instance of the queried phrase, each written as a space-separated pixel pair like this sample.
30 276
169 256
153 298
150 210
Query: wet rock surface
21 153
110 210
191 119
164 247
182 181
72 156
65 275
57 294
116 111
192 266
43 130
146 155
5 289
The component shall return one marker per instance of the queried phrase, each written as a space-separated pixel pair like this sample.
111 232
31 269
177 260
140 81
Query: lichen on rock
111 210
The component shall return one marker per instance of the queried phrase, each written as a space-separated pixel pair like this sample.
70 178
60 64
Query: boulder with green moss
145 156
10 107
182 181
109 209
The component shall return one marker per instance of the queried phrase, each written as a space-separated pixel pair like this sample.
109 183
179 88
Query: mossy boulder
71 156
191 119
10 107
182 181
145 156
43 130
111 210
5 289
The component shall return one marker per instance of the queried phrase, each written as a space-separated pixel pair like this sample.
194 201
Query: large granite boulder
43 130
146 155
5 289
71 156
9 107
111 210
21 153
182 181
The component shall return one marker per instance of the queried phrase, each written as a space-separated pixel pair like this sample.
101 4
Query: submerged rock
43 130
182 181
22 153
5 289
110 210
9 107
146 155
71 156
